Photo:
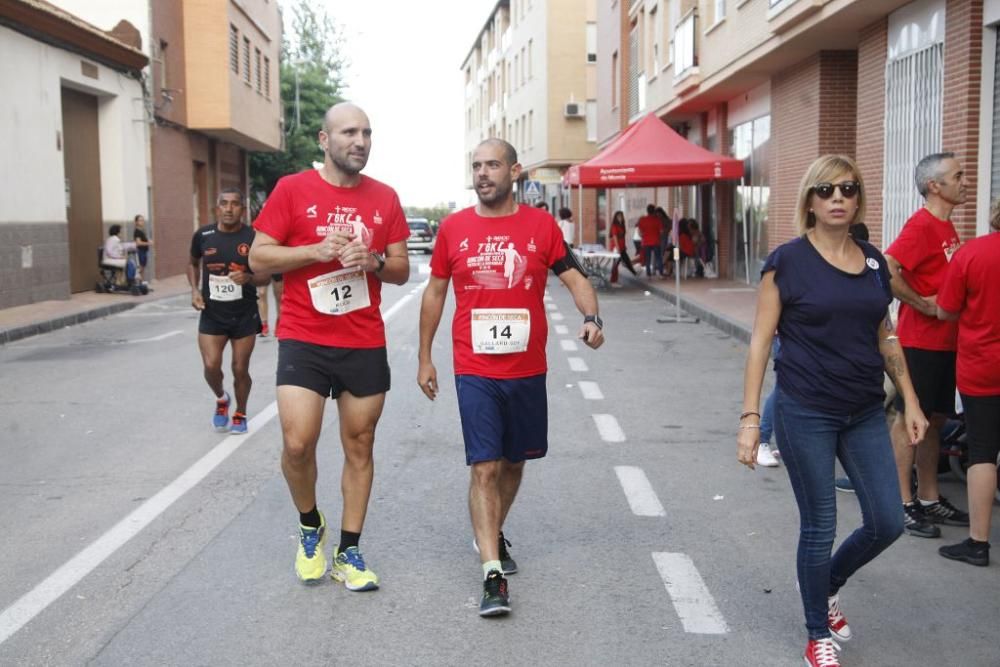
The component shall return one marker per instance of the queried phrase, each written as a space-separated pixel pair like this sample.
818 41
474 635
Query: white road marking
561 329
552 306
692 601
155 339
556 317
639 492
32 603
402 302
591 391
423 268
577 364
568 345
609 429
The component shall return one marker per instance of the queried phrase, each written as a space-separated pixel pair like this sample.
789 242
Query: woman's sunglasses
847 188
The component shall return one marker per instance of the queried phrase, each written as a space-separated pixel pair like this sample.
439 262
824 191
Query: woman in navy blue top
827 295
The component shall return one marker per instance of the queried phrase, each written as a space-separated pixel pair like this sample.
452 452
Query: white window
655 39
720 10
530 73
591 42
591 120
531 129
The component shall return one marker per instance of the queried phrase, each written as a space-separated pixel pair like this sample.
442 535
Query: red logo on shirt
244 249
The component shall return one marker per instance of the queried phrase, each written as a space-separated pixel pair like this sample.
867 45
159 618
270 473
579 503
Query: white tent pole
579 222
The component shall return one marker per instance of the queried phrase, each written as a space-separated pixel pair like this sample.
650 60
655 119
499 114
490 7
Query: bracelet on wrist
749 426
749 413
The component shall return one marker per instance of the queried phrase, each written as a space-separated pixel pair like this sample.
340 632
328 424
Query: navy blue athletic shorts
503 418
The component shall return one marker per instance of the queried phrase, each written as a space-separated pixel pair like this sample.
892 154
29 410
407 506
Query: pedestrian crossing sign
533 189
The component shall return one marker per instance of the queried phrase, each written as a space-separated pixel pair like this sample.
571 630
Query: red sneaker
821 653
839 628
263 329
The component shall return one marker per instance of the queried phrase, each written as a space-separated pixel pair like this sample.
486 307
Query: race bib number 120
222 288
500 330
340 292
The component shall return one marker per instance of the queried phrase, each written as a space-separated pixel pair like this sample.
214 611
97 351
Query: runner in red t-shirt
918 260
498 255
971 294
336 236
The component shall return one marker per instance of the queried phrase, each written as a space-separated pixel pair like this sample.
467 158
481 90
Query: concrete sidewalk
36 318
725 304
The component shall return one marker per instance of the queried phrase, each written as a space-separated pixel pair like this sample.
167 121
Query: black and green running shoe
496 598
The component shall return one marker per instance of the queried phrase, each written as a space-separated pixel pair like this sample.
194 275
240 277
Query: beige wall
219 101
567 73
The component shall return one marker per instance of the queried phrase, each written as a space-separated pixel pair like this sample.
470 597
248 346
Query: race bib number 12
500 330
340 292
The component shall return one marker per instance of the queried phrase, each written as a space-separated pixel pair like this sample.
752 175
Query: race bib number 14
500 330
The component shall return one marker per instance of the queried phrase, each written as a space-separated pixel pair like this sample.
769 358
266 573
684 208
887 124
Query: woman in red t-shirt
970 294
617 242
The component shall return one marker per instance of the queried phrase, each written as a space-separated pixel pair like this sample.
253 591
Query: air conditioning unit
574 110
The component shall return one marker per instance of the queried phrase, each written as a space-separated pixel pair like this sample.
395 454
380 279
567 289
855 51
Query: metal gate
913 118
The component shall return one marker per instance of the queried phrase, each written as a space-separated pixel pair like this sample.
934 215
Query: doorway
82 166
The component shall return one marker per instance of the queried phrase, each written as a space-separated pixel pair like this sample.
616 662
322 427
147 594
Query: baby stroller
111 281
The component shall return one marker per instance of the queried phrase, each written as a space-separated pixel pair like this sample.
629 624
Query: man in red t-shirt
498 255
650 229
971 294
336 236
918 260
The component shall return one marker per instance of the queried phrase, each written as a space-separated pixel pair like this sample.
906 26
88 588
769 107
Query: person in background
970 294
278 288
835 350
617 244
666 242
567 226
649 227
542 205
918 260
142 245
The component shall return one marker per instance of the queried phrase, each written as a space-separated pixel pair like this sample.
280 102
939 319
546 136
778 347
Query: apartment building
212 95
531 79
74 139
779 82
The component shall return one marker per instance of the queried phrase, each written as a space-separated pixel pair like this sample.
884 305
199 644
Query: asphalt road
136 535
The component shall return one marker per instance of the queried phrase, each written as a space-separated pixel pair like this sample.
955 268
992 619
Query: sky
405 59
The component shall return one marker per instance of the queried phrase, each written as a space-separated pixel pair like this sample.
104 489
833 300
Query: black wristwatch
596 319
381 261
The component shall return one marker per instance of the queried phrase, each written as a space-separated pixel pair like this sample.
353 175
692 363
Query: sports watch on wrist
380 260
596 319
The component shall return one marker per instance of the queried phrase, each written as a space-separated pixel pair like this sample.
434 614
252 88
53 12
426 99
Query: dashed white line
556 317
568 345
609 429
692 601
577 364
591 391
551 306
639 492
561 329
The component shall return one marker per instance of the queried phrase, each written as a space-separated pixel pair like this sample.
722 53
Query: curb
63 321
724 324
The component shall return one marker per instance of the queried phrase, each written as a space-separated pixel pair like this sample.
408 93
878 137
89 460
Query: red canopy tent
650 154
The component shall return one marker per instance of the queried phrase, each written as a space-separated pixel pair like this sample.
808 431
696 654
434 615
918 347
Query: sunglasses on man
849 189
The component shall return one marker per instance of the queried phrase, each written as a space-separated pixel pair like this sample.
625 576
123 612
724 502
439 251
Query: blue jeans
653 251
810 442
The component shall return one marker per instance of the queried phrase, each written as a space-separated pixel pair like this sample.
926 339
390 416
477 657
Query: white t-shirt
568 228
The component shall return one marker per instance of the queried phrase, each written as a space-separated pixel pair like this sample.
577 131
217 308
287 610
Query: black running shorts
330 370
933 375
235 325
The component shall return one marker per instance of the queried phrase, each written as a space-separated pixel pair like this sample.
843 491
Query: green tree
435 213
312 69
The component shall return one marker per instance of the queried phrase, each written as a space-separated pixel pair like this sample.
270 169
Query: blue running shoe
239 426
220 420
